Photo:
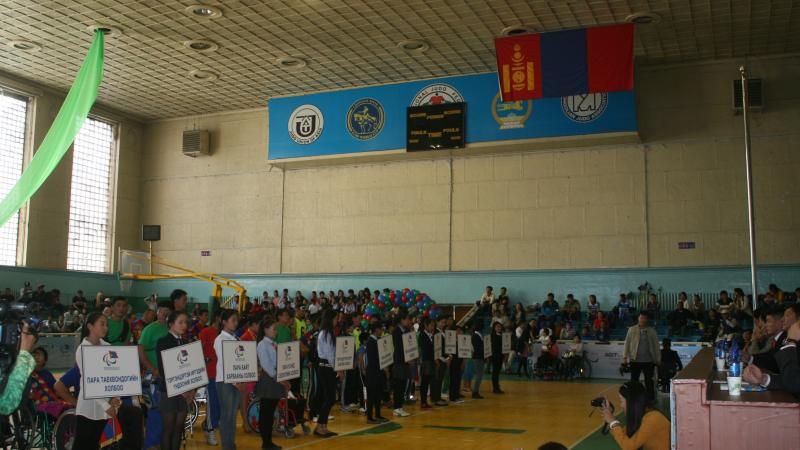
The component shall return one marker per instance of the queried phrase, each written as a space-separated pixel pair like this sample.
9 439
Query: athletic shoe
362 410
346 409
400 412
211 438
476 395
498 391
457 401
440 403
382 419
372 421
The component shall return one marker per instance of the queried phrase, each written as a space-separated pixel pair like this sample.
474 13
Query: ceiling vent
755 94
195 143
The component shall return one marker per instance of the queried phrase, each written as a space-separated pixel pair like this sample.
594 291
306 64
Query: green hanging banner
62 132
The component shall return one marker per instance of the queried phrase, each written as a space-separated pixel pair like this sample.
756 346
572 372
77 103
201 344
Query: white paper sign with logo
288 361
410 349
465 346
450 342
506 343
385 352
184 368
239 361
345 352
487 346
110 371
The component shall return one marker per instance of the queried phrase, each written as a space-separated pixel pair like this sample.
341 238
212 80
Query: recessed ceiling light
514 30
643 18
205 11
202 75
25 46
291 62
413 46
201 46
108 30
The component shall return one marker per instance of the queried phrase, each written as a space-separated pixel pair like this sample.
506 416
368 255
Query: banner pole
749 173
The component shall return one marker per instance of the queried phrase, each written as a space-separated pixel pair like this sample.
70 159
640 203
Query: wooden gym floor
529 414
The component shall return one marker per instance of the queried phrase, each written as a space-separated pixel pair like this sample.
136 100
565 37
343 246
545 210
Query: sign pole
749 172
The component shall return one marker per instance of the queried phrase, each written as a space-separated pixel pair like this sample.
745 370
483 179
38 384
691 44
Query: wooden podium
707 418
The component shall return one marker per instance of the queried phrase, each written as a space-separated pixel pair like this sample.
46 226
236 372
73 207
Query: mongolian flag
111 433
564 63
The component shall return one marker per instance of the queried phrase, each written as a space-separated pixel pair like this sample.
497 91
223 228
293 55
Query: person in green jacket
14 390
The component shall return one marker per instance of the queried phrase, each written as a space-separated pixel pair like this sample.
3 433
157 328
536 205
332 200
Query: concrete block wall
596 207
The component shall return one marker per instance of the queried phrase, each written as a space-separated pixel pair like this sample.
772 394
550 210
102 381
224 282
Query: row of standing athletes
225 400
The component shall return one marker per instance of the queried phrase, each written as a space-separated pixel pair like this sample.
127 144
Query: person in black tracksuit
456 369
441 362
477 360
497 356
173 409
401 371
375 376
427 364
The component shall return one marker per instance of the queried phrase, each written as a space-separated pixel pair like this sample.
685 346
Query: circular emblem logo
584 108
436 94
511 115
305 124
365 119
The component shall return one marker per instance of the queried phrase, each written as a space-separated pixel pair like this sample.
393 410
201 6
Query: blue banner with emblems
373 119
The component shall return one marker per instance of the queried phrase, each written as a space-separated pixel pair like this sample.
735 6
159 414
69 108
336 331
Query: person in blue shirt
69 385
268 390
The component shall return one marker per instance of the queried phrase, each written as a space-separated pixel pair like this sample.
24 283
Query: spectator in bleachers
487 299
549 312
567 332
652 307
586 333
503 301
742 304
724 302
712 326
623 309
99 299
518 314
592 307
678 320
572 309
40 295
698 309
777 293
8 295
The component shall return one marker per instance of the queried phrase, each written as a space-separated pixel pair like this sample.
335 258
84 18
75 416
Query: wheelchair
577 366
27 428
552 370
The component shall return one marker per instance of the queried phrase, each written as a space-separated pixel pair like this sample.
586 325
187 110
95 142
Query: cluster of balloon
410 299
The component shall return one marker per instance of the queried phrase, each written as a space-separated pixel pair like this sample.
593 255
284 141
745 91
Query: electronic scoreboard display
435 127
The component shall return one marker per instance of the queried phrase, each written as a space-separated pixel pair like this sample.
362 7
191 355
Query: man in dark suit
442 361
774 327
400 370
787 358
427 360
477 359
375 376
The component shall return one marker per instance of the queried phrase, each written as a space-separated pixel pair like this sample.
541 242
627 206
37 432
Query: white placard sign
110 371
345 352
288 361
464 346
385 352
184 368
506 343
437 345
410 349
487 346
239 361
450 342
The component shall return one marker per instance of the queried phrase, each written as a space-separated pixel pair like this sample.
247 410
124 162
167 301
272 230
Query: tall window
13 110
90 198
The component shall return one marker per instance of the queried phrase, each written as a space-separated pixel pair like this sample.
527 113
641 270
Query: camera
12 315
624 368
598 403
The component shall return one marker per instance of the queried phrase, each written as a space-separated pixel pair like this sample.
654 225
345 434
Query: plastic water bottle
735 365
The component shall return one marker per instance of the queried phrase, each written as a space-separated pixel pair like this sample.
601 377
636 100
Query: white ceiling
346 43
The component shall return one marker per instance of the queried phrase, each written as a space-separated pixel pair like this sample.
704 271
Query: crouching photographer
645 427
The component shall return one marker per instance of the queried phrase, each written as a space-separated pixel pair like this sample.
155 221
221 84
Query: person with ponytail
229 395
173 409
645 428
326 350
268 390
93 414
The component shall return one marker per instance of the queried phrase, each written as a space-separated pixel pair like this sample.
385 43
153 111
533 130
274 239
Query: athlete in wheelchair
576 364
549 365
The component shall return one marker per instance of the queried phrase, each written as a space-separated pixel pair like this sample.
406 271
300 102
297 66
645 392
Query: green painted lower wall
444 287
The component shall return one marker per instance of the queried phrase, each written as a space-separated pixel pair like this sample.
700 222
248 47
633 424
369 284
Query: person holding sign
92 415
456 368
375 376
229 396
326 350
173 409
400 369
427 365
477 359
442 361
268 390
497 356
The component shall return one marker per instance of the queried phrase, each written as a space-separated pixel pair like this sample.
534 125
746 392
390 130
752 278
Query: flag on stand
564 63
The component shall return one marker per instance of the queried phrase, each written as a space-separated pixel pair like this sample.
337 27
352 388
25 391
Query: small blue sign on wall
373 119
686 245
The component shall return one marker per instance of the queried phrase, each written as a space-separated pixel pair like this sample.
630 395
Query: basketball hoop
125 286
